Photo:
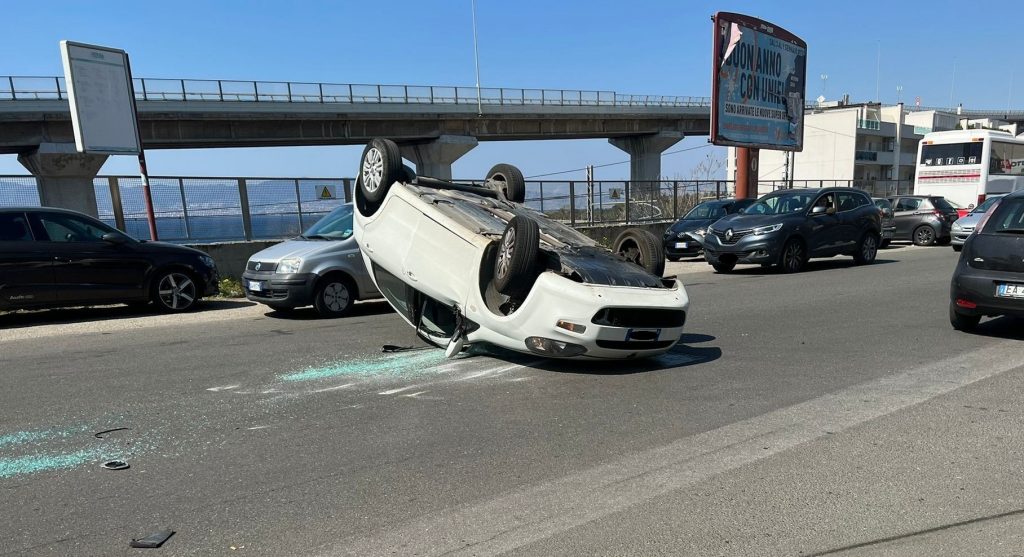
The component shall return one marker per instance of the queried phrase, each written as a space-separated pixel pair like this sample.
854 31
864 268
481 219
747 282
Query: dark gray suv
788 227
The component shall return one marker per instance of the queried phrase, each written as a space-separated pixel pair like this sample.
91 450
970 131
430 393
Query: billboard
759 84
99 83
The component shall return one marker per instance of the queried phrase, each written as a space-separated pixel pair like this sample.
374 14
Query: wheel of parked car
794 257
924 235
333 297
672 258
514 267
509 180
724 266
962 322
958 247
380 167
174 291
643 248
867 250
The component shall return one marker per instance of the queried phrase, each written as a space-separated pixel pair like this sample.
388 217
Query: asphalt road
830 412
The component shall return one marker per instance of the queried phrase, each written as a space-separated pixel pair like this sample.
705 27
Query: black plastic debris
388 348
115 465
101 434
153 540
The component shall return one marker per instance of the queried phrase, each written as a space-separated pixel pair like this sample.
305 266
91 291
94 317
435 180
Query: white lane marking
335 388
224 388
537 512
257 427
398 390
416 394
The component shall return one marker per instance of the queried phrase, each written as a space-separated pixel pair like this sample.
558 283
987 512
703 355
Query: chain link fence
209 210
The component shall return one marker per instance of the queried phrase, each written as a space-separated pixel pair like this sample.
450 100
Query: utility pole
878 72
590 193
476 59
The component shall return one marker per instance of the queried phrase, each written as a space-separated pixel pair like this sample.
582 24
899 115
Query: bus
966 166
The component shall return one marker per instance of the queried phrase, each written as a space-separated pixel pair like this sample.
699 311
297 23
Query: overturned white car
467 263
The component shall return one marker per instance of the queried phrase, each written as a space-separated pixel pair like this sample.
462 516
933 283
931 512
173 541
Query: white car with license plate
468 263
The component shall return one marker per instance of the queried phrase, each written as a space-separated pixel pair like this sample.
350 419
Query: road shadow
1005 327
814 265
360 309
85 314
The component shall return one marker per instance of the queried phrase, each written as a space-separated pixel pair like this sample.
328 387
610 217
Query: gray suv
788 227
322 267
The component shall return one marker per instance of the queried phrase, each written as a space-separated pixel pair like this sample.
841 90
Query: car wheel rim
793 255
869 249
924 236
373 169
508 246
336 297
176 291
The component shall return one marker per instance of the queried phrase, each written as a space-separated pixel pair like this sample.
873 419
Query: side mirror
455 345
114 238
817 210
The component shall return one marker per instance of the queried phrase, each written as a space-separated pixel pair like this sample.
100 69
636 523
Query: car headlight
208 261
767 229
956 226
288 266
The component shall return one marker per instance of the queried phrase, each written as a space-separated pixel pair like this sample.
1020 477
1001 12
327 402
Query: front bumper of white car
561 318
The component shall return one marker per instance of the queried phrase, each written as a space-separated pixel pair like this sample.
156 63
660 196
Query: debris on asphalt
115 465
100 434
153 540
389 348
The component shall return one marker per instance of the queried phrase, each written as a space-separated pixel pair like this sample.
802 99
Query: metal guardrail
202 90
205 210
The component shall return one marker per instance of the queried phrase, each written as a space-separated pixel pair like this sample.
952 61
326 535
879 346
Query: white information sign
99 83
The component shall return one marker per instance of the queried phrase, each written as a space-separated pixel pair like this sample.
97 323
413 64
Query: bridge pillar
435 157
645 153
64 176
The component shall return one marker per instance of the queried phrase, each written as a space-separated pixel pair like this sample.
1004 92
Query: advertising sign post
103 112
758 90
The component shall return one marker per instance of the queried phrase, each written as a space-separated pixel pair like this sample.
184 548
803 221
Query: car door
88 269
906 216
823 228
851 218
26 269
437 261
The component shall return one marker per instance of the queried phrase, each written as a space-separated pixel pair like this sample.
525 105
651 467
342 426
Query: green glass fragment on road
396 364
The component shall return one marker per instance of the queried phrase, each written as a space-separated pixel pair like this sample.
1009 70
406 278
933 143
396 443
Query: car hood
743 222
970 220
166 247
295 248
691 225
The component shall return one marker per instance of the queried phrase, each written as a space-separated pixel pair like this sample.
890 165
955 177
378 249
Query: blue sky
642 46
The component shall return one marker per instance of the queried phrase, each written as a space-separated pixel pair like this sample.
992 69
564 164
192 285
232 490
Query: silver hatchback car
322 267
964 226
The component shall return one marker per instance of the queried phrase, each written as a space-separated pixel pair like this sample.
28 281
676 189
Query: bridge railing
205 210
150 89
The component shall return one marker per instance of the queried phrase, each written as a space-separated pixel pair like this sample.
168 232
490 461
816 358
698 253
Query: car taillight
966 303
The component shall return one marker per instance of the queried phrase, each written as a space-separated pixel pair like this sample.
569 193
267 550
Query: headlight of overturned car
288 266
767 229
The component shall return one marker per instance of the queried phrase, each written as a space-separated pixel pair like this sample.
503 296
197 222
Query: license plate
682 245
255 286
1010 290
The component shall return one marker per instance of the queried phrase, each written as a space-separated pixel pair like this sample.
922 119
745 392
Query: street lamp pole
476 58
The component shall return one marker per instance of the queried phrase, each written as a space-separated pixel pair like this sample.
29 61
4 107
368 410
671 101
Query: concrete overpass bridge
434 125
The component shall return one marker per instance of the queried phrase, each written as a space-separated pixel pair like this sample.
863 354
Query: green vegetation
231 288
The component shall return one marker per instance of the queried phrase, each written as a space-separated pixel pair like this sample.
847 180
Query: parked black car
989 279
685 237
54 257
923 219
790 226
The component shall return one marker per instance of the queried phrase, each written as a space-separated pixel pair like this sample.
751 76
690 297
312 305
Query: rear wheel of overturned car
516 263
333 297
924 235
643 248
794 257
380 166
962 322
867 249
509 181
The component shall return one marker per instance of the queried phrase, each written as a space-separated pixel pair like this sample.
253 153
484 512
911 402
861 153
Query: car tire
923 235
174 291
794 257
334 297
509 181
958 247
516 262
944 241
724 267
672 258
379 167
961 322
867 249
643 248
